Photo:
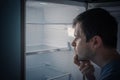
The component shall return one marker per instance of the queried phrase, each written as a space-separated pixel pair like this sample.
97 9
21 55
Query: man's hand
85 67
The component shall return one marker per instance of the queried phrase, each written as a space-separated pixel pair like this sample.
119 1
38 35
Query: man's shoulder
111 71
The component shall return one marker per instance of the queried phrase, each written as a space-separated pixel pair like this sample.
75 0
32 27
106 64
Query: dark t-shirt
111 71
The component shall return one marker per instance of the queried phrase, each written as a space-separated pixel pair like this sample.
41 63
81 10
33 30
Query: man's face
81 47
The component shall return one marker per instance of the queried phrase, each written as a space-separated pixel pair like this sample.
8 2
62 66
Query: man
96 41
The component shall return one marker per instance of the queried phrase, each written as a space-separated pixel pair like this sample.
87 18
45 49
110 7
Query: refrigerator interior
49 33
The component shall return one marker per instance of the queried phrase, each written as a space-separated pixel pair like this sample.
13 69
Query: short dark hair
98 21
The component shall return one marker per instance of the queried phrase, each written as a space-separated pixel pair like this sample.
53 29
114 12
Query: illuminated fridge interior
49 32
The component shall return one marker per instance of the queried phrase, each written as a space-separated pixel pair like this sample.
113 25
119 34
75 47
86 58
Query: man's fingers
88 69
76 61
83 69
82 65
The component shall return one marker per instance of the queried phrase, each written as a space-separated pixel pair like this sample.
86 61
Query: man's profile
96 41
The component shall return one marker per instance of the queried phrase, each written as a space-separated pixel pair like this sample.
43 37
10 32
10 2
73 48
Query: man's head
93 28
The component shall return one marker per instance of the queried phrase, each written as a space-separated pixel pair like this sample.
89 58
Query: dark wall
11 62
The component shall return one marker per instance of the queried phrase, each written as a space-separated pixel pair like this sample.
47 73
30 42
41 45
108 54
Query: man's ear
96 42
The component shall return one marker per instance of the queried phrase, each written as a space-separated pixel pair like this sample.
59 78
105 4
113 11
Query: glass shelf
46 72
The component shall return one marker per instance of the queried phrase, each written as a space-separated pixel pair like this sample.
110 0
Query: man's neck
105 56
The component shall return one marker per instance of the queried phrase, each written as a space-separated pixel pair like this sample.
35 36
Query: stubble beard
82 58
84 54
